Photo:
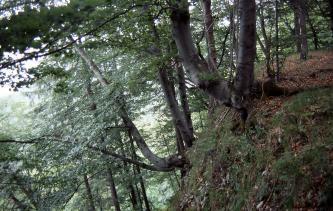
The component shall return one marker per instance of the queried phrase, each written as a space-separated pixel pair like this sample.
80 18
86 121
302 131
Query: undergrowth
279 163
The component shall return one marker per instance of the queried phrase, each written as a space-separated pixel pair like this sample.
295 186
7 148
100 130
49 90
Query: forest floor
284 159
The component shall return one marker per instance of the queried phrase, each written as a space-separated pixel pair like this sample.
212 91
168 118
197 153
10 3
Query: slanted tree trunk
177 115
162 164
113 190
90 198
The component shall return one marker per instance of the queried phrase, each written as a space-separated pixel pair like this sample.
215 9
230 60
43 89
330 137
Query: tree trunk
90 198
198 69
210 42
331 13
277 62
177 115
183 96
209 34
113 190
137 170
302 25
314 32
247 49
266 45
143 189
297 29
162 164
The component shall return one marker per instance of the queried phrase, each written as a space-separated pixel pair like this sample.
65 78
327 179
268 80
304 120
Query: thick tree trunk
90 198
198 69
247 48
113 190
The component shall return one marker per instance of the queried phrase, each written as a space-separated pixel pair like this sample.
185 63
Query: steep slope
284 159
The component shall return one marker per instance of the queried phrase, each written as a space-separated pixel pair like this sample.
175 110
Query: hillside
284 159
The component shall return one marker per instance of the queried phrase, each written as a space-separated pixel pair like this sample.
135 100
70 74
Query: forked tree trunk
198 69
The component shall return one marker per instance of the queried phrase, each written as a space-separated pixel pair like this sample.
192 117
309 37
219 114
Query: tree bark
177 115
210 42
266 45
302 23
209 34
297 30
183 96
137 171
196 67
90 198
314 33
247 49
331 13
277 62
113 190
